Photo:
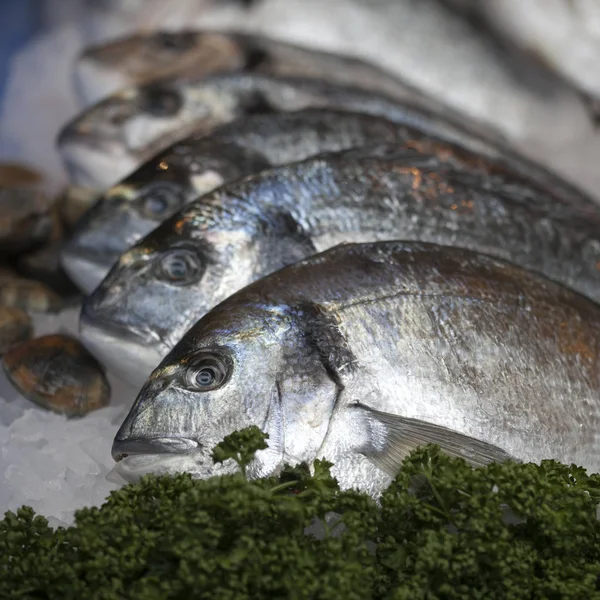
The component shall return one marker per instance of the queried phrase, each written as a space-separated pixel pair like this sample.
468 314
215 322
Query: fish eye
161 102
176 42
181 266
161 201
207 372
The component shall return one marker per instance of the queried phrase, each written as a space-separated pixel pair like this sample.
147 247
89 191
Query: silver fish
104 69
196 165
364 352
247 229
111 139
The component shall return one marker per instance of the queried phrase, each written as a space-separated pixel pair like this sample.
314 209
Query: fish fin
402 435
323 334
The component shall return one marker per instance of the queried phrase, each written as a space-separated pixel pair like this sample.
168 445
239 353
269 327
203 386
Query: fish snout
95 246
81 263
123 445
113 337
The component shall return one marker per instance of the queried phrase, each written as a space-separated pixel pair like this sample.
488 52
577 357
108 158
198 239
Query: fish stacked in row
298 241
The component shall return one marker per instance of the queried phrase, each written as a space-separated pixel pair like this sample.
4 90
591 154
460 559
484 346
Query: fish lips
130 353
93 161
83 267
123 447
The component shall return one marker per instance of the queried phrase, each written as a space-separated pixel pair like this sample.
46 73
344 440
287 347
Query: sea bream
247 229
427 47
196 165
111 139
103 69
364 352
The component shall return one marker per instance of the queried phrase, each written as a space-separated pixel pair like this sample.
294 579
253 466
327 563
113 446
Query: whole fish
445 56
196 165
364 352
111 139
103 69
247 229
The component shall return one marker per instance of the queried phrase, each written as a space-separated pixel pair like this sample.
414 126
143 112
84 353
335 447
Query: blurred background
529 69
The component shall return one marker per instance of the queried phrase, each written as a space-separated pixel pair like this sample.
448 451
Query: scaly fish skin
196 165
142 58
111 139
247 229
363 352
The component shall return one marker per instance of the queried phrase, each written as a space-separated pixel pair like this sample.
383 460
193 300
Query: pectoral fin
395 437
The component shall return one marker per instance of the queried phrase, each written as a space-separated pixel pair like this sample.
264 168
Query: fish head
103 69
161 286
247 362
112 138
122 216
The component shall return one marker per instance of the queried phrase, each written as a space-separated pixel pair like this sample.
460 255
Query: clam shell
74 202
59 374
27 294
25 219
15 327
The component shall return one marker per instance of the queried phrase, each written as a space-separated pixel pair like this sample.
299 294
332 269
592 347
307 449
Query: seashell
15 327
29 295
74 202
25 218
59 374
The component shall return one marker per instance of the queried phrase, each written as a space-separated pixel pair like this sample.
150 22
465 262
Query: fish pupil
156 204
181 267
161 102
206 377
179 42
178 268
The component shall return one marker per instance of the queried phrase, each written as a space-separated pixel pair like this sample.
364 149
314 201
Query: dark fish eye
207 372
161 102
161 201
180 267
177 42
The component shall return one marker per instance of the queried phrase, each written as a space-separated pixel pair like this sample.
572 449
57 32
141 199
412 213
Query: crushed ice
54 464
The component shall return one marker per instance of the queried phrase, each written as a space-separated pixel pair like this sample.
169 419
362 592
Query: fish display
247 229
196 165
103 69
59 374
111 139
357 258
362 353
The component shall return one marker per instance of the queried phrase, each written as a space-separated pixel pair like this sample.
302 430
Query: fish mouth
83 267
90 320
129 352
95 161
154 445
